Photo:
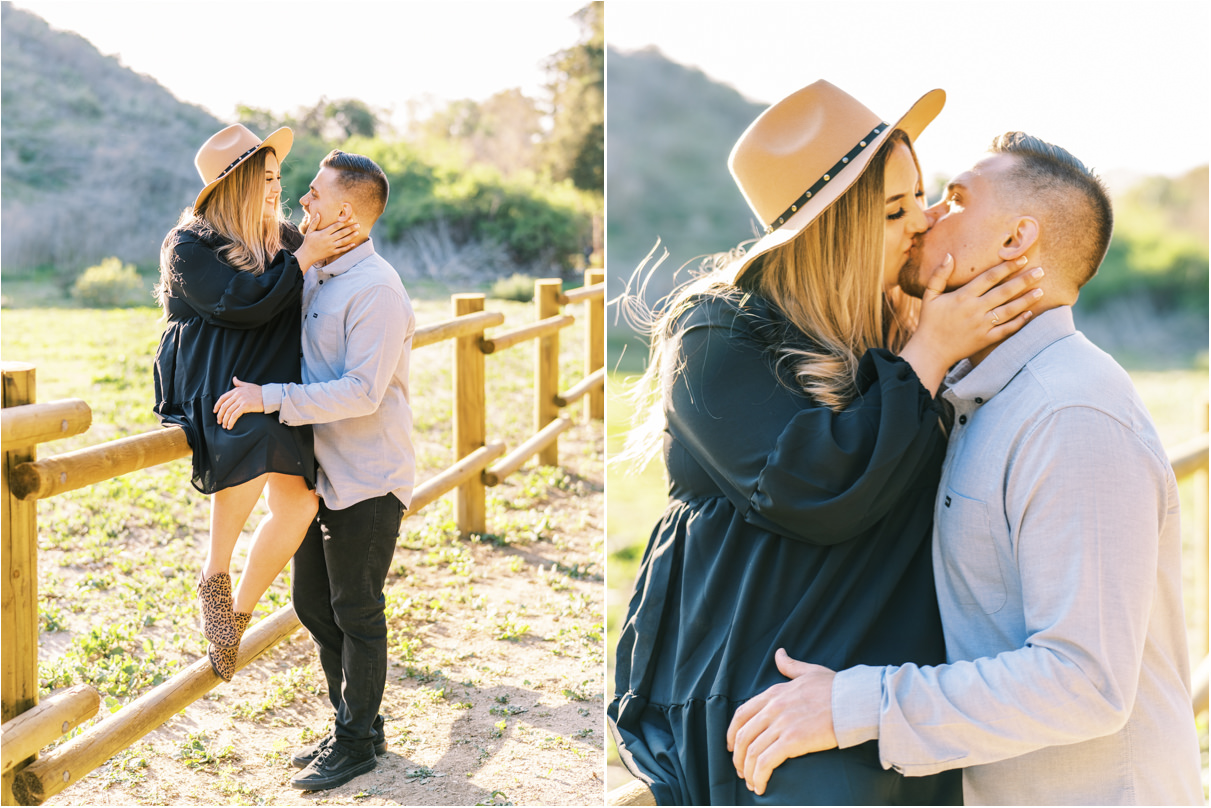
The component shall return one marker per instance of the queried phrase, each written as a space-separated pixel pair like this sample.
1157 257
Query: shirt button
979 400
321 283
314 315
962 419
300 354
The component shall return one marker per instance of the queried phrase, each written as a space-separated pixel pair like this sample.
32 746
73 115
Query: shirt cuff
856 703
271 397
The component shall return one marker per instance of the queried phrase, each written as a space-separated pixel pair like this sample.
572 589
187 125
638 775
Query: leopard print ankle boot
218 621
223 657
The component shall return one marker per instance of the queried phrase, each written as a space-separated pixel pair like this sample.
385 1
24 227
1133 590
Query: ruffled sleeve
789 465
224 296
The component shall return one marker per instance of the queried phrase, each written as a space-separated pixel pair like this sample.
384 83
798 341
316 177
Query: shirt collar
983 381
347 261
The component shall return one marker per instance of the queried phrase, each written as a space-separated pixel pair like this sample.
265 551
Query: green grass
634 503
131 546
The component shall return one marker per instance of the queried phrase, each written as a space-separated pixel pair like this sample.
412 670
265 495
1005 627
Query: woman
231 290
793 388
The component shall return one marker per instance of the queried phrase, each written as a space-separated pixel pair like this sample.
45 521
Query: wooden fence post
546 366
19 629
470 414
594 339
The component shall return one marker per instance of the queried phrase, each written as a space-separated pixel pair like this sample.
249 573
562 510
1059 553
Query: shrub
109 284
1169 270
539 223
517 287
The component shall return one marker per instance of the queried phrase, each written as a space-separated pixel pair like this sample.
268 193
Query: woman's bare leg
292 508
229 510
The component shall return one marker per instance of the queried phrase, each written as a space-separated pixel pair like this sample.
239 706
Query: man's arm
378 329
1086 504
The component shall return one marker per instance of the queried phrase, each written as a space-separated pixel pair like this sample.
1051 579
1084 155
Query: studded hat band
236 161
820 183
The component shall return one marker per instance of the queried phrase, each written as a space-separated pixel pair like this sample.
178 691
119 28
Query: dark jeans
339 571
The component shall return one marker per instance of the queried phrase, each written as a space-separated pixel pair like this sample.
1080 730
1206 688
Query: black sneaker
302 758
333 766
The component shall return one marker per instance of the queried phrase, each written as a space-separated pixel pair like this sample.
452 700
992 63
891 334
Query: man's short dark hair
1072 201
361 177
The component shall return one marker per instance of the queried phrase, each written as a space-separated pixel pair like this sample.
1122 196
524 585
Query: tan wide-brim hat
802 153
225 150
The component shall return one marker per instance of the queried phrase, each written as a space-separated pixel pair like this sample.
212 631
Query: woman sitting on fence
231 280
803 446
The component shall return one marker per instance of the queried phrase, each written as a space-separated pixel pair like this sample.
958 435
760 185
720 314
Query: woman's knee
242 496
289 495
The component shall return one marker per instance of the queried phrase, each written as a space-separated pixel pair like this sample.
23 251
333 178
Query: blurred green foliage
517 287
109 284
1159 249
537 220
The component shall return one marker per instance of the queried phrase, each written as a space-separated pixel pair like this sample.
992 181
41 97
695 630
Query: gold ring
995 318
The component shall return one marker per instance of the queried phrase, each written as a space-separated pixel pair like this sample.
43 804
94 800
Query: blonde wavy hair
827 283
233 213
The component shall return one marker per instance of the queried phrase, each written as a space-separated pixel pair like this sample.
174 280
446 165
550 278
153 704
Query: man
357 340
1057 549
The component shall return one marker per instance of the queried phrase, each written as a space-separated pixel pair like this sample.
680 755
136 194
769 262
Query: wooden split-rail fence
29 726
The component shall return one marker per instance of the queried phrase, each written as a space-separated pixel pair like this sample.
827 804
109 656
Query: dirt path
495 685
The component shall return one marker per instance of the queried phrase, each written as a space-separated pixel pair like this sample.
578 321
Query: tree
501 131
351 117
327 120
509 131
575 148
260 121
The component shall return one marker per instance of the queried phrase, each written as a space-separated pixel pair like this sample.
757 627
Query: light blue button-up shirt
357 342
1057 556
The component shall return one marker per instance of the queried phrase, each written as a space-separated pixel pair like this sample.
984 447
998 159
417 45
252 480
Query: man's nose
918 220
933 213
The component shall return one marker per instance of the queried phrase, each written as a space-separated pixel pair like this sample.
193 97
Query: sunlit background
281 56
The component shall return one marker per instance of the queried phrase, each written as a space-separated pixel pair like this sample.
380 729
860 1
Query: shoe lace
326 751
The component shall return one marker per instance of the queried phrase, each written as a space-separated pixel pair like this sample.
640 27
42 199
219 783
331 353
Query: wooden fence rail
28 726
34 729
38 423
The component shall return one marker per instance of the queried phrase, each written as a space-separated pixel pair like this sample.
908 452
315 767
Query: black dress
225 323
788 526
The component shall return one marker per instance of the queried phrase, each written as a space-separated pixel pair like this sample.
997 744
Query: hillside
669 131
88 146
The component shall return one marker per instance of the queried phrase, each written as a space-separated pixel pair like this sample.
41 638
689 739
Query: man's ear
346 213
1021 238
